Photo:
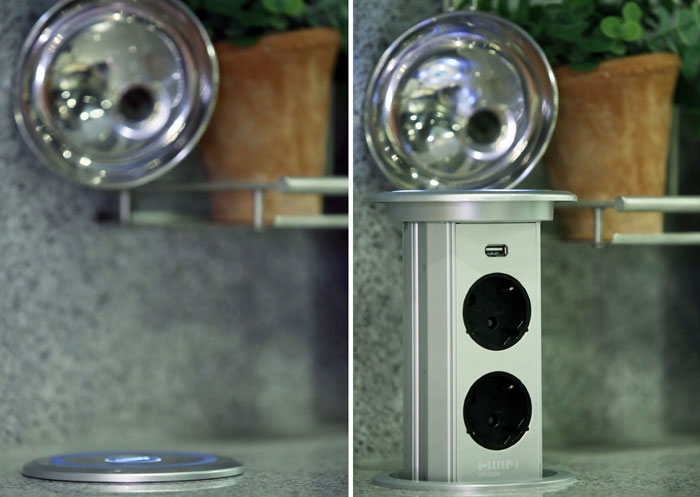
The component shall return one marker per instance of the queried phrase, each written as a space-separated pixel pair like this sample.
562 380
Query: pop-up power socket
472 338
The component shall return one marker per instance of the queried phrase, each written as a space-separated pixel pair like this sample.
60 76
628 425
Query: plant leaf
286 7
194 4
485 5
522 12
273 6
537 28
618 47
294 7
261 20
561 14
631 31
503 9
243 41
657 45
631 12
691 63
580 8
688 28
226 8
671 44
595 45
611 27
570 32
664 18
577 56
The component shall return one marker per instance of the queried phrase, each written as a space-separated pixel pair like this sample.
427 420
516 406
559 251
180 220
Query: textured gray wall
189 332
621 326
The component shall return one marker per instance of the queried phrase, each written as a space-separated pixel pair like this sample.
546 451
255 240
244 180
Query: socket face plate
522 460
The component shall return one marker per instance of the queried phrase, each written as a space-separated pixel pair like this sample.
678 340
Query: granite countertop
303 466
669 469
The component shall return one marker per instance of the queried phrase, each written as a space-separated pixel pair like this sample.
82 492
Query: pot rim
287 41
625 66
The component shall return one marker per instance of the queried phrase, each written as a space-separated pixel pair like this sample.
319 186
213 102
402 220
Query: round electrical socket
496 311
497 410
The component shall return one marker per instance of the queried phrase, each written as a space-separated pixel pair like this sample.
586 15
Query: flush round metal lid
465 100
113 94
132 467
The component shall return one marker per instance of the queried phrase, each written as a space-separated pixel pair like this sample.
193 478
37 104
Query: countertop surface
658 470
315 466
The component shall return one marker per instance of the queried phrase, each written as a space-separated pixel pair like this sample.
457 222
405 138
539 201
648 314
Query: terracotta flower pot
271 119
612 139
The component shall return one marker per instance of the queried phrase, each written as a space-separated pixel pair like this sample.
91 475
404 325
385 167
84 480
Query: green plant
243 22
584 33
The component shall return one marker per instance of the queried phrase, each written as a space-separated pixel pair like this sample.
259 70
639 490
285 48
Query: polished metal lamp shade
113 94
464 100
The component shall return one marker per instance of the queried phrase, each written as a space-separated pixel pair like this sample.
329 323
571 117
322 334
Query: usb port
496 250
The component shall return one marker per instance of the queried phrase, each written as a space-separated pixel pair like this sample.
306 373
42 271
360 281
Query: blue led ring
133 459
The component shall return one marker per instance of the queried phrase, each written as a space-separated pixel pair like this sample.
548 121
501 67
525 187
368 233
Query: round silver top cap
132 467
472 206
465 100
113 94
458 196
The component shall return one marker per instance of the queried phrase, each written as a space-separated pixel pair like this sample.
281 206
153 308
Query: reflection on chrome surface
465 100
112 94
